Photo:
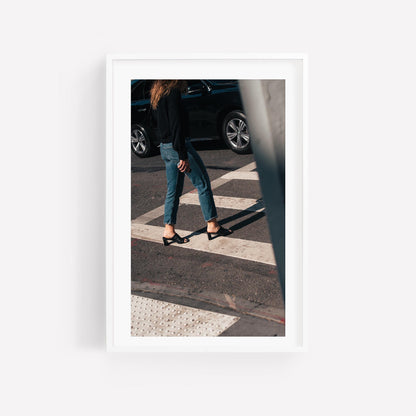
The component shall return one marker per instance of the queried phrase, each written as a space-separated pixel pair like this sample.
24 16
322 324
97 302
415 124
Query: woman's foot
170 235
175 239
213 228
169 231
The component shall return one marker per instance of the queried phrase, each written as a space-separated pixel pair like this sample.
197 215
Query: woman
180 158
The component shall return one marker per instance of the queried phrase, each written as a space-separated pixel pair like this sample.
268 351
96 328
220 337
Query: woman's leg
175 180
200 179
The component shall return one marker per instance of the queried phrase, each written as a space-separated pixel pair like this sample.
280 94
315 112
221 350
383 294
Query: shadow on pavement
255 217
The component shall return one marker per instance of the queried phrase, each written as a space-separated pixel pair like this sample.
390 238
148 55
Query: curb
222 300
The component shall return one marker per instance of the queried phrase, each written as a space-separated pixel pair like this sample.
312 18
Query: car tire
235 133
141 145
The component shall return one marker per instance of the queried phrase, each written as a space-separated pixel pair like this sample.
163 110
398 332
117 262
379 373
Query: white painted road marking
151 215
242 204
155 318
248 176
225 246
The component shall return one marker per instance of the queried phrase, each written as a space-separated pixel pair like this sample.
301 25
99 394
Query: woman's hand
183 166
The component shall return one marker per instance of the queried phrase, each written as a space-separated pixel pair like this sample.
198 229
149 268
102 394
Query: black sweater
172 122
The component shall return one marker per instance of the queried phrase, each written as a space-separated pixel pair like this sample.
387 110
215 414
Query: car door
202 114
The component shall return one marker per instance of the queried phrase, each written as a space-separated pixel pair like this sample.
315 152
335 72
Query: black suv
215 111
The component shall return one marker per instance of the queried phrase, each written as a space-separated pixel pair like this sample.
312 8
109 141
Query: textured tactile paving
153 318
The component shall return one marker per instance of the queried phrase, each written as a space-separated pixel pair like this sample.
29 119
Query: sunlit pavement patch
242 175
153 318
243 204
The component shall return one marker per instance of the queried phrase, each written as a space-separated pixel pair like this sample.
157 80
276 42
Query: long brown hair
163 87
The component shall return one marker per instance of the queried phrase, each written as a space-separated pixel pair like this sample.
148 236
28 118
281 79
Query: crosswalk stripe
242 175
151 215
231 247
242 204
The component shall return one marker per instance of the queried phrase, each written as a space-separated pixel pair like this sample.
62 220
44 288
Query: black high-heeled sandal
222 232
175 239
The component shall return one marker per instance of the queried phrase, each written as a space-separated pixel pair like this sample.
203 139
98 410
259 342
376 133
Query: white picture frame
121 69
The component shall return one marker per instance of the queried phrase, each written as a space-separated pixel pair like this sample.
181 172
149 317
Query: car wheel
235 132
140 142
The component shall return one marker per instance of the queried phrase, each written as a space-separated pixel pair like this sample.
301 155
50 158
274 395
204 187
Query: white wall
361 210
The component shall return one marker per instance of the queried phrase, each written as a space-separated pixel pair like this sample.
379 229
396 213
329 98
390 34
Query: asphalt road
217 282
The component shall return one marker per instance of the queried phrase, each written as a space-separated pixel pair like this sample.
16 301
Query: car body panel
206 101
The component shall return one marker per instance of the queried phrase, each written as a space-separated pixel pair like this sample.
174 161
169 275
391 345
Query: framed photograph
205 203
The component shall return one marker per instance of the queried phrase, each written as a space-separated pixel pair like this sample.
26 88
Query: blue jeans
198 176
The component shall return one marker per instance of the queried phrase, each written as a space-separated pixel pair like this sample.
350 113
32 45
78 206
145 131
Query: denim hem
211 218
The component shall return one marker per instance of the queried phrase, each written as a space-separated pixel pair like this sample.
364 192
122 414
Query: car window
140 90
194 85
147 86
137 91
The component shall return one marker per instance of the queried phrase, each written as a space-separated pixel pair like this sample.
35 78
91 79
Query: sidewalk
155 314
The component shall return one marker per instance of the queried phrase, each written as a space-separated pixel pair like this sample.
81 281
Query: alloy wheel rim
237 133
138 141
